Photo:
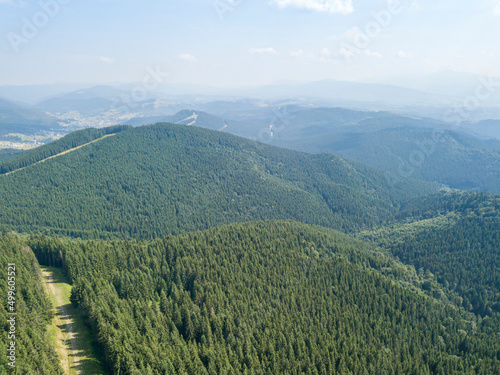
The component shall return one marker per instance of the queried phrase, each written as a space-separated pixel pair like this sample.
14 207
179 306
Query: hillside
291 122
7 154
35 353
156 180
265 298
487 128
419 148
184 117
304 123
450 158
17 118
454 236
417 292
456 160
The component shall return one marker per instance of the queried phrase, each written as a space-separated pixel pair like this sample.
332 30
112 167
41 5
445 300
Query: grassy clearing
72 338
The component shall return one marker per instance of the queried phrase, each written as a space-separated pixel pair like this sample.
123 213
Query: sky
241 43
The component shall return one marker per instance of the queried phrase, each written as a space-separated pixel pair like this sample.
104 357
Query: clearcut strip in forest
61 153
73 344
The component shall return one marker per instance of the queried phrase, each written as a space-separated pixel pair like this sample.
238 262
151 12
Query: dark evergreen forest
196 252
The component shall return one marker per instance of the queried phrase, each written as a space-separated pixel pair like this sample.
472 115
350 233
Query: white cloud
352 43
369 53
187 57
344 52
349 36
325 52
415 5
332 6
297 53
107 60
263 51
496 10
404 55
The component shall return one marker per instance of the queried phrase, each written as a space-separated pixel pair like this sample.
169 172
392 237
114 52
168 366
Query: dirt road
74 343
64 330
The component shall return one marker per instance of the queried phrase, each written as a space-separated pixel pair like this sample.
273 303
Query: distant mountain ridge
329 89
18 118
413 147
91 101
453 159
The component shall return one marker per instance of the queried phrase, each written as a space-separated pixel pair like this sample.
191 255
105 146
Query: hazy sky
244 42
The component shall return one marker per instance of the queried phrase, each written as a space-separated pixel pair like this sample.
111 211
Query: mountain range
193 251
431 95
421 148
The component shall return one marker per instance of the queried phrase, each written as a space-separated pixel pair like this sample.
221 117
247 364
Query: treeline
35 353
68 142
264 298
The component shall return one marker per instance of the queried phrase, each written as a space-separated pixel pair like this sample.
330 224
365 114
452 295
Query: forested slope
420 148
34 351
6 154
456 237
251 297
265 298
156 180
448 157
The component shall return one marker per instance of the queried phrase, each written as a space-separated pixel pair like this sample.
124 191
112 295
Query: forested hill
261 297
454 159
266 298
6 154
456 238
34 345
156 180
